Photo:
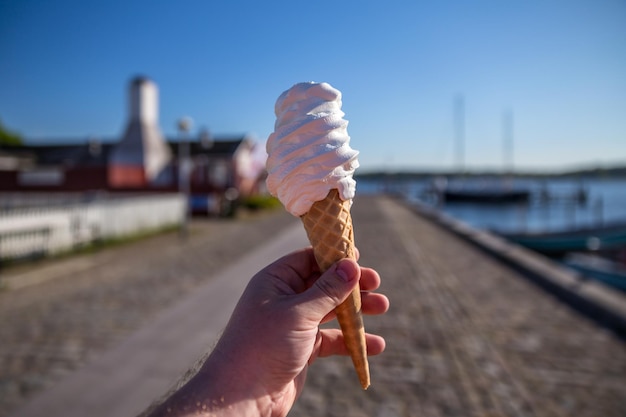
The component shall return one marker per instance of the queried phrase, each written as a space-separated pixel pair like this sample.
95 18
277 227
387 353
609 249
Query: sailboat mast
459 131
507 140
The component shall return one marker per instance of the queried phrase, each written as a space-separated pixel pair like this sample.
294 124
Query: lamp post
184 126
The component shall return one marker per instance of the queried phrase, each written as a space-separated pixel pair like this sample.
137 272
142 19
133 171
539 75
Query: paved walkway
128 378
62 315
466 335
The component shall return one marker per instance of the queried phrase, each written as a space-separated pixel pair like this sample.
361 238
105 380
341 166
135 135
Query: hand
259 365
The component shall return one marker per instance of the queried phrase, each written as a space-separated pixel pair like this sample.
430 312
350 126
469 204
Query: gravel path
85 304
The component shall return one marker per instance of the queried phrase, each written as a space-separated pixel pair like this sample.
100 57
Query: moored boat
606 237
601 269
486 195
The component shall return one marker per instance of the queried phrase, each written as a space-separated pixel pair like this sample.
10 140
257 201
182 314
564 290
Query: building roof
85 154
96 153
226 146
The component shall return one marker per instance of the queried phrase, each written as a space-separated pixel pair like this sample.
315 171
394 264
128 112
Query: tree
9 138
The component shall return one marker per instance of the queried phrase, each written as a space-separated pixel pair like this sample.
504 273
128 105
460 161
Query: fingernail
343 272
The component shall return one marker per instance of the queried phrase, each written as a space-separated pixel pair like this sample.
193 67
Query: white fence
50 229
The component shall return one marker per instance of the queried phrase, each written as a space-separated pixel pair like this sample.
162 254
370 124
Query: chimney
144 101
140 158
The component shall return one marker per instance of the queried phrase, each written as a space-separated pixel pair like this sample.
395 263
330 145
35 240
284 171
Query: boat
480 191
598 268
487 190
594 238
486 195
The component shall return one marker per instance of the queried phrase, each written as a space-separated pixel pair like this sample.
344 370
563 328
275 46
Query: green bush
260 202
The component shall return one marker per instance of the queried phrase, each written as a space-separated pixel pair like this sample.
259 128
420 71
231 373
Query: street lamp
184 167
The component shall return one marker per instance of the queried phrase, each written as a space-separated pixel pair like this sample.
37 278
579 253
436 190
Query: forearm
216 391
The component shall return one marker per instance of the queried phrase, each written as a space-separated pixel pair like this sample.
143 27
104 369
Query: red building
220 169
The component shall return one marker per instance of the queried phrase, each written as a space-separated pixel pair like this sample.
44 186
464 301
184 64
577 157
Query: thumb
330 289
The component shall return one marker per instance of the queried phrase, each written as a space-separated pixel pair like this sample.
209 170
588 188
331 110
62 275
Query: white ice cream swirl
309 152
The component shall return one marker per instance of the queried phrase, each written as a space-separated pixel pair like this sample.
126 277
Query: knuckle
328 290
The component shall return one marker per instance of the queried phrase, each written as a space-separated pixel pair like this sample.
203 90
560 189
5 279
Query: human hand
259 365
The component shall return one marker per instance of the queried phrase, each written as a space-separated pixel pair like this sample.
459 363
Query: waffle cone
328 225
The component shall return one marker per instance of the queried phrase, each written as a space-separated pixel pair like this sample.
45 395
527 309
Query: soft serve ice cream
309 152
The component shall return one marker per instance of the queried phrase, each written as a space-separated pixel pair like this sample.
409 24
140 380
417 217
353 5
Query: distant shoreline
596 173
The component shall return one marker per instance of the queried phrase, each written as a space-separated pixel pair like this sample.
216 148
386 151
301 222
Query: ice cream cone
310 167
329 227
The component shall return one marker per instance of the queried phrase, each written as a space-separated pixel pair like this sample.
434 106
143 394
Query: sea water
555 203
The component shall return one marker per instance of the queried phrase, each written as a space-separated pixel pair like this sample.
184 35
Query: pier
470 331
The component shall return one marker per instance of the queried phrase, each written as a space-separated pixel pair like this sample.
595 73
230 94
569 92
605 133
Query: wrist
218 390
229 390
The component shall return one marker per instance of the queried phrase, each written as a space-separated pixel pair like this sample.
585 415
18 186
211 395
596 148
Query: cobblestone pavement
50 329
466 336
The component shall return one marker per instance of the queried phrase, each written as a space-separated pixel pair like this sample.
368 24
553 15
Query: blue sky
558 66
